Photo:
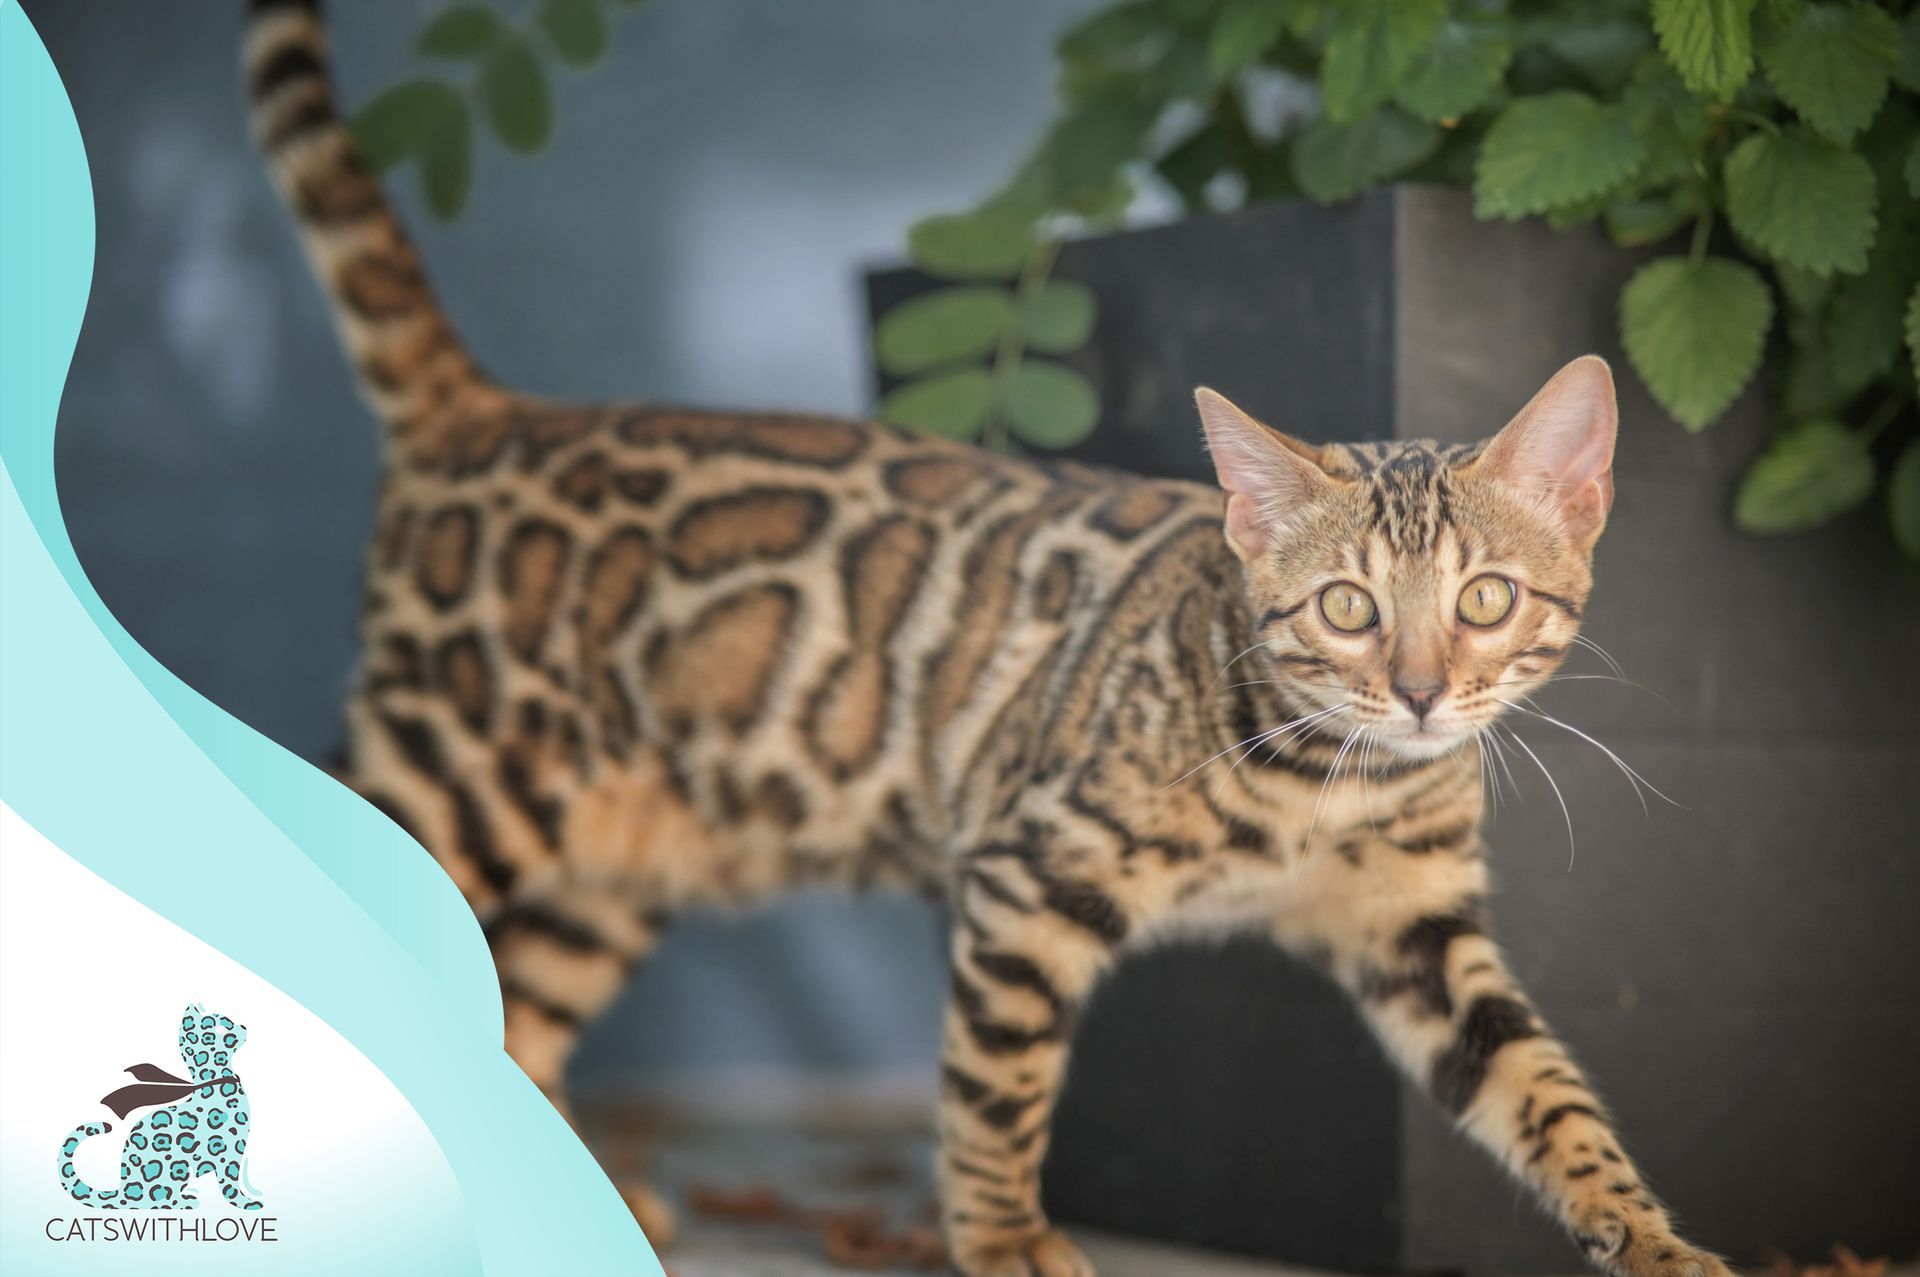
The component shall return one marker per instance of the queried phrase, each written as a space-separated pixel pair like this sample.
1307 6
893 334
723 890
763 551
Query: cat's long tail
70 1182
409 363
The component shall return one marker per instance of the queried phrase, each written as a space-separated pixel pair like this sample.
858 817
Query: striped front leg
1436 991
1026 950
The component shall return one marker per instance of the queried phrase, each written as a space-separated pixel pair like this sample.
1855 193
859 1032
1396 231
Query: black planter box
1739 973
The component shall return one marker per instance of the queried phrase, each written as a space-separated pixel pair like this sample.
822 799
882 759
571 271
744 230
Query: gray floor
823 1171
833 1162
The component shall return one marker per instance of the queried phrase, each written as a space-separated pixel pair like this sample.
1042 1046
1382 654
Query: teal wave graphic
132 773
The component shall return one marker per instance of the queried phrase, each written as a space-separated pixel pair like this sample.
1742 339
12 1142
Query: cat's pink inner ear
1561 445
1266 481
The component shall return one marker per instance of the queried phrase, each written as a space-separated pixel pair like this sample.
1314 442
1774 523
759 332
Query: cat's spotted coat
621 661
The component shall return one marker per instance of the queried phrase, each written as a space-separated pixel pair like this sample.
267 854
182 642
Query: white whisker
1489 779
1574 678
1369 739
1556 791
1229 665
1500 751
1254 739
1633 777
1326 784
1603 654
1299 731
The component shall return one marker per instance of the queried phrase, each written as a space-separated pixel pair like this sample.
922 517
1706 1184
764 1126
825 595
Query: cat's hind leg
562 959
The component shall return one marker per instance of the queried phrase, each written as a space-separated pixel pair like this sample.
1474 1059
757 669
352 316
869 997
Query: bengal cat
628 660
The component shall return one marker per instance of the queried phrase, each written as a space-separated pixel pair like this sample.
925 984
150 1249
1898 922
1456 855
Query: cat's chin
1419 745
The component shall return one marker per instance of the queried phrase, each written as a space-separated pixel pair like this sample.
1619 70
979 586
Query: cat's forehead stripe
1408 486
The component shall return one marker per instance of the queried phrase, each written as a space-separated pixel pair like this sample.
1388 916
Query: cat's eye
1486 600
1348 607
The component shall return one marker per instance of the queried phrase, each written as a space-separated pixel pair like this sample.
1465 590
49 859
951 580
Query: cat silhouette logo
200 1128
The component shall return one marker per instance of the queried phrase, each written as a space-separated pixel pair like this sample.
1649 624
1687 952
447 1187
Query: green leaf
1459 70
1913 329
1906 66
1863 325
1181 71
1244 30
577 29
1306 17
1104 203
446 156
1190 13
1370 49
1087 147
1050 406
1025 198
1695 331
1604 48
1831 64
1913 170
1802 200
1559 148
1805 291
940 327
390 127
949 403
1636 221
1709 42
1338 161
1566 217
1452 162
1110 32
1771 15
513 93
1059 317
460 31
985 244
1903 501
1670 120
1805 477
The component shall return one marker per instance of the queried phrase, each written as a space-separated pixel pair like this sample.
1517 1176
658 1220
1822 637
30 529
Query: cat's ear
1560 447
1268 478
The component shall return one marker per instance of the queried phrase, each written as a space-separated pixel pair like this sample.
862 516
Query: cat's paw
651 1212
1048 1254
1677 1259
1618 1249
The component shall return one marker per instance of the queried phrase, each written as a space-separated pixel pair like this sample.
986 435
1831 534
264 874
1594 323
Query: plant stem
1702 231
1013 342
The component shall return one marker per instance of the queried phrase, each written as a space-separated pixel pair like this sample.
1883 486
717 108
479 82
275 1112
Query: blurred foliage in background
1776 143
502 61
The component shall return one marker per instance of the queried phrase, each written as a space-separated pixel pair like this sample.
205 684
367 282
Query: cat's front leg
1417 956
1028 944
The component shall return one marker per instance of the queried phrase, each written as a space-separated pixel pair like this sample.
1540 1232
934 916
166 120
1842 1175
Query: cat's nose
1419 698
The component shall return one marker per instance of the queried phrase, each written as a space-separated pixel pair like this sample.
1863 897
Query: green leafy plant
1771 148
428 121
973 350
